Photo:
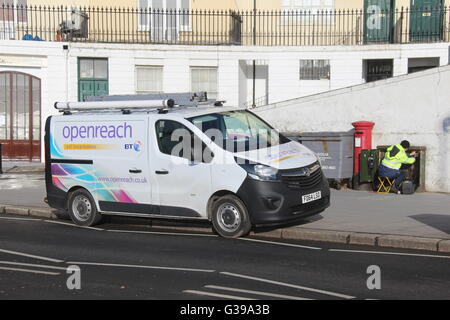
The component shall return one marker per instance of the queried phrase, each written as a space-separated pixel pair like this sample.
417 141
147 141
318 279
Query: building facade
284 50
229 22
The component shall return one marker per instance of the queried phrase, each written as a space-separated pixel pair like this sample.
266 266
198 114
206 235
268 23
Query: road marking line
23 219
261 293
31 256
334 294
137 266
32 265
30 271
73 225
163 233
391 253
216 295
281 243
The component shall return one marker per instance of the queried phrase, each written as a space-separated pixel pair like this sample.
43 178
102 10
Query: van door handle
162 172
135 171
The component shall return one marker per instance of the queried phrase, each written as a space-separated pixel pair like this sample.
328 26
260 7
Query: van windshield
238 131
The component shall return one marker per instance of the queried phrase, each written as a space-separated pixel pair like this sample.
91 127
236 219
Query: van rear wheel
82 209
230 217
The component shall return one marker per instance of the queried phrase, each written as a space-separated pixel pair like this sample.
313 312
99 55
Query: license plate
311 197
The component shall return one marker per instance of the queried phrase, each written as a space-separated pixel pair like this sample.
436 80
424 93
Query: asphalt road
118 261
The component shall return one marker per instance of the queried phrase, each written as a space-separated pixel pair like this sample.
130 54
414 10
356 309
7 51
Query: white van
128 158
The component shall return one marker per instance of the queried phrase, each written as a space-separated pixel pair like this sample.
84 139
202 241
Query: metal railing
221 27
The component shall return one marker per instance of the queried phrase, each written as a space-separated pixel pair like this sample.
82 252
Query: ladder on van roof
162 102
181 99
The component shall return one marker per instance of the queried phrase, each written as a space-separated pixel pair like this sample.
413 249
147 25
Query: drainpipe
66 49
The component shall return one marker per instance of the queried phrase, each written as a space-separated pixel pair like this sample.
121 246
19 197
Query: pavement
22 166
420 221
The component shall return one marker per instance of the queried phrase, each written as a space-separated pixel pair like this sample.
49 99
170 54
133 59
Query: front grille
300 179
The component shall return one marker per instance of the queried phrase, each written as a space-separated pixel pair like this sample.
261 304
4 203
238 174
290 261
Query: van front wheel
230 217
82 209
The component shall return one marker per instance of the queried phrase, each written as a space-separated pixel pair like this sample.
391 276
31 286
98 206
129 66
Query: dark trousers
398 175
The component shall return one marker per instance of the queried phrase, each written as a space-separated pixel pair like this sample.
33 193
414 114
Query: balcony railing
207 27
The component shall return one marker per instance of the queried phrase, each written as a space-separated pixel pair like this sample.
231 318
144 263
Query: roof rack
101 105
160 101
181 99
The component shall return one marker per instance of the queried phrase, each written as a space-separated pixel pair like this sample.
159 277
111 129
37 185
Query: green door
89 88
86 89
378 21
101 87
426 20
92 78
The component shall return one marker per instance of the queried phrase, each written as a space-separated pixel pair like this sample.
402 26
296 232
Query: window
308 5
184 17
177 140
13 10
238 131
420 64
378 69
93 68
20 115
314 69
204 79
13 13
153 18
170 134
307 12
149 79
92 77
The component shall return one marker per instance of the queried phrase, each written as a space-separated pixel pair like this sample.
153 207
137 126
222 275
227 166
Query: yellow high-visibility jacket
396 156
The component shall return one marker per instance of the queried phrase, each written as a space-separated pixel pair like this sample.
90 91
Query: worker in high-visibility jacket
395 156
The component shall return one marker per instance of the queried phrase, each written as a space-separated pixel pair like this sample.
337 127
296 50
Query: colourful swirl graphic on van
65 176
55 152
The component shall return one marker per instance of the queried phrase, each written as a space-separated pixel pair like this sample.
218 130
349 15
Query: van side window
170 134
177 140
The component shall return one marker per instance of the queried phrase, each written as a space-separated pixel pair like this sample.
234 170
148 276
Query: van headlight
259 171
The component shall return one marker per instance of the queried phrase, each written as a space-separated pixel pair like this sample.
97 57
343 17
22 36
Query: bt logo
137 146
134 146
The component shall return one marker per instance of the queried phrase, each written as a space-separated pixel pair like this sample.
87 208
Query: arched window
20 115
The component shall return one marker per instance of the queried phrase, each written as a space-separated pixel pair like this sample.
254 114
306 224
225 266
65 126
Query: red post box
363 141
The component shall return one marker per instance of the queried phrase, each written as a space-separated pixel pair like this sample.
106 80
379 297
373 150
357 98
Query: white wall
415 107
45 61
59 73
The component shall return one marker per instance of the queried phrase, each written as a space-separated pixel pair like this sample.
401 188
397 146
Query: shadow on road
297 223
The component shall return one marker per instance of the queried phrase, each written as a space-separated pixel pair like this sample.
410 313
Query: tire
230 218
82 208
